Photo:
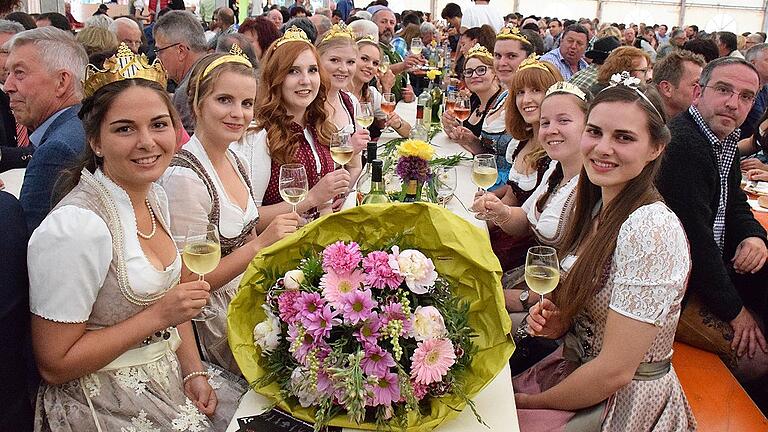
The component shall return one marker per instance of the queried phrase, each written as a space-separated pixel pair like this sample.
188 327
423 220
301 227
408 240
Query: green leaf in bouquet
462 256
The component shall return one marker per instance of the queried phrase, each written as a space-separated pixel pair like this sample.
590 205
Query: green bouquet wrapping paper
462 254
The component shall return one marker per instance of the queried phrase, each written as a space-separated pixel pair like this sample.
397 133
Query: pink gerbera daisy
357 306
319 324
369 329
385 391
335 286
377 361
431 360
342 258
379 274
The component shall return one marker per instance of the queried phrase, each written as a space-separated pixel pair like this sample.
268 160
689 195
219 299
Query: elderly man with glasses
179 44
700 181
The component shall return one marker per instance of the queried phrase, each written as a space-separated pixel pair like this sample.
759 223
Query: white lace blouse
650 265
546 223
189 199
70 253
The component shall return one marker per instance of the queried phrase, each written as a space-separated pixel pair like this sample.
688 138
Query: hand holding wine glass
293 184
461 109
484 174
542 270
365 115
201 254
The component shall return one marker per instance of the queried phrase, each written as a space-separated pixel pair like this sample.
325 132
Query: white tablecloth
496 403
13 180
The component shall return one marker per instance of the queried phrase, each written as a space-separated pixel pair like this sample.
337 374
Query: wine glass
417 46
365 116
341 149
293 184
384 65
461 109
542 270
388 104
445 183
450 101
484 174
201 254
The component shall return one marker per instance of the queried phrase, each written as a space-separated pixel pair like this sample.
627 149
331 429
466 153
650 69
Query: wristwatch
524 296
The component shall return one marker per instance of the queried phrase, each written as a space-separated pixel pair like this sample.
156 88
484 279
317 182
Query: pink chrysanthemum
368 332
419 390
431 360
341 258
336 287
357 306
385 391
286 305
394 311
319 324
377 361
379 274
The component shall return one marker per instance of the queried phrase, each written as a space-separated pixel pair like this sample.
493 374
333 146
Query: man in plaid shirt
700 181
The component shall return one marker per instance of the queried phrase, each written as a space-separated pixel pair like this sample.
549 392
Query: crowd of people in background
623 145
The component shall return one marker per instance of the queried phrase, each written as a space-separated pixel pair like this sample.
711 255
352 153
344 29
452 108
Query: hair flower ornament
625 79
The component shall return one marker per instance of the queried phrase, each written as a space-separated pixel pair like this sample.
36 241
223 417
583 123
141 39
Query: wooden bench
718 402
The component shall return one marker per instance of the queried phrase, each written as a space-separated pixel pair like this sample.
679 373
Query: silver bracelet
191 375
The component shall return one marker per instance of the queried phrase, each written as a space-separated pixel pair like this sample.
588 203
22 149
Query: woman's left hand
200 392
359 139
522 400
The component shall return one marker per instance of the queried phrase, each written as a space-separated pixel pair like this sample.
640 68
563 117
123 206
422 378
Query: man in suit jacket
700 181
16 372
46 70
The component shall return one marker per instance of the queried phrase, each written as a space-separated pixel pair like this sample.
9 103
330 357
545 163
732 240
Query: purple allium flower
413 168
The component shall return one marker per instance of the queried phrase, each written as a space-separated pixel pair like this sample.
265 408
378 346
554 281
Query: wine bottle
437 100
424 103
410 191
377 194
364 183
420 131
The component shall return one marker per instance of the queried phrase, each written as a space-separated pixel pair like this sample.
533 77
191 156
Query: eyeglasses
726 92
157 50
480 71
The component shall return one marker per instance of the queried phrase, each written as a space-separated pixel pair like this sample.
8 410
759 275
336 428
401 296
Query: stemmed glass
450 101
388 104
201 254
341 150
445 184
384 65
542 270
417 46
461 109
293 184
365 116
484 174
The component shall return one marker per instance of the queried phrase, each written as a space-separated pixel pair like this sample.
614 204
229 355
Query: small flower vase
412 190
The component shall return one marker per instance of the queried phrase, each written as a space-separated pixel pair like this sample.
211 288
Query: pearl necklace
154 223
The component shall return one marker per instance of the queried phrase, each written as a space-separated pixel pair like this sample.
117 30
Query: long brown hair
534 78
271 114
596 250
92 113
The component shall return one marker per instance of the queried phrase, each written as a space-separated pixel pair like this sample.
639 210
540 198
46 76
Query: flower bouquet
413 167
342 328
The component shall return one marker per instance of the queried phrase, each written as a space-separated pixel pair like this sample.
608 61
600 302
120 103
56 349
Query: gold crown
532 62
367 38
510 32
566 87
121 66
291 35
236 55
339 30
479 51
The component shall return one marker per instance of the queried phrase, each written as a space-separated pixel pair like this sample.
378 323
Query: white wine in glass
417 46
293 185
341 150
365 116
384 65
542 270
201 255
484 174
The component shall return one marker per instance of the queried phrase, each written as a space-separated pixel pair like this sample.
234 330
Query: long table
496 403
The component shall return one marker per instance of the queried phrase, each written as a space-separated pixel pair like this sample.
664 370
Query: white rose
428 323
266 334
418 270
293 279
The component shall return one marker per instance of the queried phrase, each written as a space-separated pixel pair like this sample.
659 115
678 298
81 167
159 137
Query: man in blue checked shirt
568 58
